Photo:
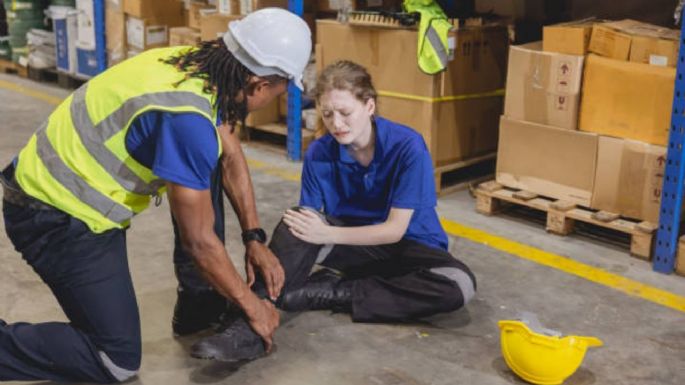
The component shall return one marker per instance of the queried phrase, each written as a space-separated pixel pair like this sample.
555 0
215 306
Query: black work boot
198 311
238 342
324 290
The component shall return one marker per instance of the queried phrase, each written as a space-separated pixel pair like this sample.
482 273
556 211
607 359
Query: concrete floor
644 341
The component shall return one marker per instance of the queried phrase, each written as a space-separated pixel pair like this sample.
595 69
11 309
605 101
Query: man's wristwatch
257 234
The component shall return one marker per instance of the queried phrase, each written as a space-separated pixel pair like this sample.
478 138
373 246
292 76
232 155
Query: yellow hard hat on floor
539 358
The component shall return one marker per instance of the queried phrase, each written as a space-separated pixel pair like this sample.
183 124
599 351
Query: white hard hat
271 41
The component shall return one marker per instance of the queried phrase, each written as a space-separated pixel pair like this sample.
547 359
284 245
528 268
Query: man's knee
461 290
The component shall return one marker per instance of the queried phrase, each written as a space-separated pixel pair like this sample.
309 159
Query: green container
66 3
5 49
20 27
24 9
18 41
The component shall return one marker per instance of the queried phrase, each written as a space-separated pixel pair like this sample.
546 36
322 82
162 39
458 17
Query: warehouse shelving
674 175
294 119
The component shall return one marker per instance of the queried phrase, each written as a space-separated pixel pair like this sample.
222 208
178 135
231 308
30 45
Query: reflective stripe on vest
439 49
78 161
77 186
432 47
94 137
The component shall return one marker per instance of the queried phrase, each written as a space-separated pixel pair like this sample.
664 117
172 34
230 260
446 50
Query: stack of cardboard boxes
457 110
587 115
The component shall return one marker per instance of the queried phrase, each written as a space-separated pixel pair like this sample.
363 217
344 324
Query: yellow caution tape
499 92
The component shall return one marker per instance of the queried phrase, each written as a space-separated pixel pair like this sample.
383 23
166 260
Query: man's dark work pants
88 274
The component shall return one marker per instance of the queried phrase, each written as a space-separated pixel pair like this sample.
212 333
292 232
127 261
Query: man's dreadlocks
224 76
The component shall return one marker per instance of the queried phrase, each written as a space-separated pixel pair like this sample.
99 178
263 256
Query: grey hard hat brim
250 63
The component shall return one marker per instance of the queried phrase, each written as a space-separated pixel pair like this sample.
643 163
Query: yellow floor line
266 168
18 88
593 274
567 265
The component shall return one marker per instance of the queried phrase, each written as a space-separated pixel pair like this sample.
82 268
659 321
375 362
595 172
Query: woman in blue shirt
367 214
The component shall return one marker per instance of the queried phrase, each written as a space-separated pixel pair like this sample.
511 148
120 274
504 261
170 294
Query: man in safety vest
143 127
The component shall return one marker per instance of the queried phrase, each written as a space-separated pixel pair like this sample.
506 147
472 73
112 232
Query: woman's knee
460 291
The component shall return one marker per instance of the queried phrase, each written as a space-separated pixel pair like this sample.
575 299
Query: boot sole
202 355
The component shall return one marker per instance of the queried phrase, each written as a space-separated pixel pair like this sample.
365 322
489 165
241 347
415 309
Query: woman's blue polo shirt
400 175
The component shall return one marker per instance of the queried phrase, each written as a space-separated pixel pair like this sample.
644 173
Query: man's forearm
237 183
214 263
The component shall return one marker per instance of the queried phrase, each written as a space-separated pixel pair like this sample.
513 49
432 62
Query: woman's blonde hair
345 75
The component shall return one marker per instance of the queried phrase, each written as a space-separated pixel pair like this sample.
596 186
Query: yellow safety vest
78 162
433 49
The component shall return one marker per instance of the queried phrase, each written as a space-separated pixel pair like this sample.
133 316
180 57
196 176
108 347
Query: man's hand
264 319
260 257
309 227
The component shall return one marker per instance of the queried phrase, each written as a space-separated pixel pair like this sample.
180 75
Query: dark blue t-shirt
400 175
181 148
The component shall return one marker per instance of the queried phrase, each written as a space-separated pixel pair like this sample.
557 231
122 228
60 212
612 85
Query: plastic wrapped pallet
42 53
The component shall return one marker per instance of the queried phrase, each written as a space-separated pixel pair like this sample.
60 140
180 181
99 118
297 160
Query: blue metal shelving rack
100 43
294 139
674 175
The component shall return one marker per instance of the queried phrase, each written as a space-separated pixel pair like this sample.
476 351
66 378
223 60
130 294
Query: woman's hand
309 227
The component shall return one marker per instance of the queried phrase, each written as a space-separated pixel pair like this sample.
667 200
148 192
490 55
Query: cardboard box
543 87
627 100
115 32
390 57
569 38
653 51
456 110
453 131
629 178
635 41
546 160
152 32
194 13
141 34
149 9
228 7
248 6
680 257
214 24
183 36
336 5
115 57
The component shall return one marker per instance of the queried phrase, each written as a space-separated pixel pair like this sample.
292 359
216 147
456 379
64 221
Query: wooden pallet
562 216
10 67
458 175
43 75
69 81
275 135
52 75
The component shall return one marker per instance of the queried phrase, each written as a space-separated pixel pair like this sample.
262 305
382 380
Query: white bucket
64 23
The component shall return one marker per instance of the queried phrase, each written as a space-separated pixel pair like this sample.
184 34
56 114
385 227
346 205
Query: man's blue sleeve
414 187
186 150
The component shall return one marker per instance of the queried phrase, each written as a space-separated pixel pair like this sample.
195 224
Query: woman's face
347 118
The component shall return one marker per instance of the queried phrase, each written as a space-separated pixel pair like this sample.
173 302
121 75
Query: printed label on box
657 178
658 60
564 77
156 34
135 32
561 102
